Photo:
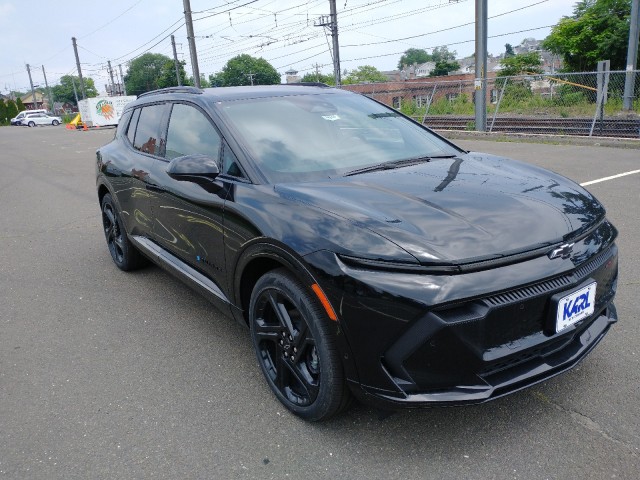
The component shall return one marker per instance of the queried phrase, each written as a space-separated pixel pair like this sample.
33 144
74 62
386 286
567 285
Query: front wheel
123 253
55 123
295 349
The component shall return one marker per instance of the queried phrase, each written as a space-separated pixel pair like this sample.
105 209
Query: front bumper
419 340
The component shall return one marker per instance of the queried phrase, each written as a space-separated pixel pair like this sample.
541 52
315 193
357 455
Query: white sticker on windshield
331 118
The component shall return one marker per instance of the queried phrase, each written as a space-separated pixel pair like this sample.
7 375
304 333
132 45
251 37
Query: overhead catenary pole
192 43
175 60
46 84
33 92
75 49
124 87
632 55
481 66
113 84
334 37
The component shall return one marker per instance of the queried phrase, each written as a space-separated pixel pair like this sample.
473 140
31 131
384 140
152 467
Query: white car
33 119
17 120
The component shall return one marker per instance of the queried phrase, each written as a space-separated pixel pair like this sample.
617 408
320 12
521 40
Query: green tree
20 106
11 109
597 30
508 50
414 55
443 67
319 77
364 74
150 72
442 54
521 64
240 70
63 92
3 112
167 77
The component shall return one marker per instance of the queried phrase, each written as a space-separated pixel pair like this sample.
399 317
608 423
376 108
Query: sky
371 32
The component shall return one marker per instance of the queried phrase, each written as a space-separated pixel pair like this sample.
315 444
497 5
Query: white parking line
609 178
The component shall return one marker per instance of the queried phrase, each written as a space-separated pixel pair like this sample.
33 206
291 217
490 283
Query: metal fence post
602 89
495 113
426 112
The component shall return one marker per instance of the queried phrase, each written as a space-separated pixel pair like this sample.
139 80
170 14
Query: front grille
548 286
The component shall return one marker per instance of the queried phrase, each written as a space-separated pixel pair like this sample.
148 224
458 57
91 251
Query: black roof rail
310 84
193 90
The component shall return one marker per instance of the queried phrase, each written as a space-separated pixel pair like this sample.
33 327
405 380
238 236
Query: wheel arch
258 258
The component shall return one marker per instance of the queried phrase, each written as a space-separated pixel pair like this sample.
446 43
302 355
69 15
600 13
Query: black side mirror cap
189 166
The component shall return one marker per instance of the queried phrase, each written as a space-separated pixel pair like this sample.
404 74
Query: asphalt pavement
113 375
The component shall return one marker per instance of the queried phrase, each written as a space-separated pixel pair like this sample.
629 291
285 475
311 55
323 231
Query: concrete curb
632 143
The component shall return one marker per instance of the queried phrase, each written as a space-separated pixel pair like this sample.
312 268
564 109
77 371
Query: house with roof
40 101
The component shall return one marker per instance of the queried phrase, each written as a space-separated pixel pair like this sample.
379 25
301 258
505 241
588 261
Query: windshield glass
310 137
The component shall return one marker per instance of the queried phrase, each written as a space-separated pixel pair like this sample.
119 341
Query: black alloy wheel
123 253
291 336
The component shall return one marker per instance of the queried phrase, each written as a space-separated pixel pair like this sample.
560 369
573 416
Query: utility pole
334 36
46 84
317 72
75 92
175 60
481 66
332 22
113 84
192 43
632 55
33 92
75 49
124 87
250 75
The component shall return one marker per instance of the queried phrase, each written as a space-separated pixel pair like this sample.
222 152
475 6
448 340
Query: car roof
221 94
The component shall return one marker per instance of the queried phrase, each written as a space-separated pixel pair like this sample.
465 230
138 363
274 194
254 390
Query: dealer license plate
575 306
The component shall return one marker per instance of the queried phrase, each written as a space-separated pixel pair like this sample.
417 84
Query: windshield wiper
389 165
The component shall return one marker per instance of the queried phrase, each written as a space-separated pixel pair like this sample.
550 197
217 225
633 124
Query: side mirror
199 169
189 166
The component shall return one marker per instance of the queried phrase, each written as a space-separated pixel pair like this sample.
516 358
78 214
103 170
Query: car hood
469 208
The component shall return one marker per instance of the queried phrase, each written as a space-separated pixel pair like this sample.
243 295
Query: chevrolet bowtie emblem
563 251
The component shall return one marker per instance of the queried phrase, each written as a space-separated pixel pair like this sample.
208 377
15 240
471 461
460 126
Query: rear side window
131 131
148 138
190 132
124 122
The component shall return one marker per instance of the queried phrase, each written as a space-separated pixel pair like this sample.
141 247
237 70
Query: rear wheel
123 253
32 124
295 349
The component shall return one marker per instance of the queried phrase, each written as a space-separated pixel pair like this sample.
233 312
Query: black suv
366 254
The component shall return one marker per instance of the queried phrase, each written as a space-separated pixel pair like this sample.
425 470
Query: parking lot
105 374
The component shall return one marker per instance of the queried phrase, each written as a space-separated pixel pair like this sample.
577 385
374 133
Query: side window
190 132
131 132
124 122
148 138
230 162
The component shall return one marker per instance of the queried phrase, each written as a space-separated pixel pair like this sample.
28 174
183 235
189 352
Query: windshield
311 137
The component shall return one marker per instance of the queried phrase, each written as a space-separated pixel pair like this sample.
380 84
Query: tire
124 254
31 124
55 123
296 352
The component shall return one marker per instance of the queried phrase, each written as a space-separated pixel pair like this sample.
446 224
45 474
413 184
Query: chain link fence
589 104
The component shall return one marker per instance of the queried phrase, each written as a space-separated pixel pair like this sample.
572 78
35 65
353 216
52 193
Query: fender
266 248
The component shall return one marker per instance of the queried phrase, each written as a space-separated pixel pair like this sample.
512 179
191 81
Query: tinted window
308 137
124 122
190 132
230 162
131 132
147 138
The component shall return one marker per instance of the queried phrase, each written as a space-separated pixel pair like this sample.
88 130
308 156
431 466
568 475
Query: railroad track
609 127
